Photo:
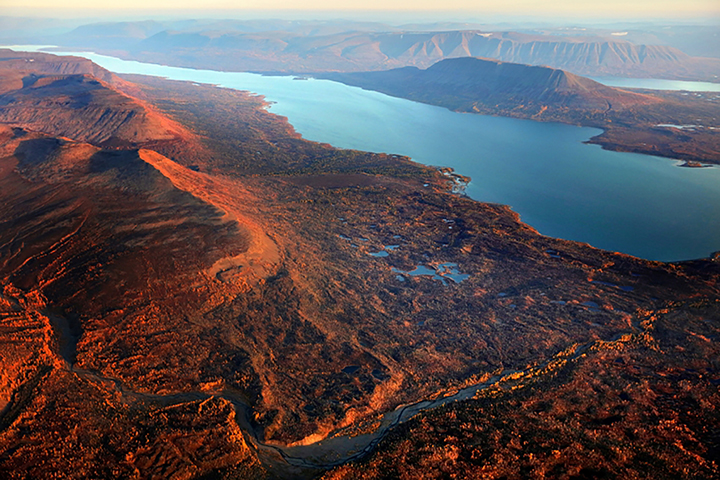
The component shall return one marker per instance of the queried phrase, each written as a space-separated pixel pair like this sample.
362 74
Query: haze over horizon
706 11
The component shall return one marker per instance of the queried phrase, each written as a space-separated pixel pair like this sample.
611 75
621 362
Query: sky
589 9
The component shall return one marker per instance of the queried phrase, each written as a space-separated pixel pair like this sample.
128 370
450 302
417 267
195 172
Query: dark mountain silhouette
466 83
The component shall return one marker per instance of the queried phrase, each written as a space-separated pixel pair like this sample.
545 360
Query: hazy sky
635 9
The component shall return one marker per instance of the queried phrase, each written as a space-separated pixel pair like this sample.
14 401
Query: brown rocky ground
644 406
167 310
81 228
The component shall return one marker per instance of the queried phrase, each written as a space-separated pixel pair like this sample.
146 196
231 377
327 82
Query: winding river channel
304 461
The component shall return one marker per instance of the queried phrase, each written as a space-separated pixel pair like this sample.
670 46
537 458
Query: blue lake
636 204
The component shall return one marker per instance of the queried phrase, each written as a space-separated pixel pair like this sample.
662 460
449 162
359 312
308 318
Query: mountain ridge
291 48
353 51
14 62
469 81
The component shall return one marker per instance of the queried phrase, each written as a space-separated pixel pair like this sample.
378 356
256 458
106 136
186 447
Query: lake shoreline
622 129
595 200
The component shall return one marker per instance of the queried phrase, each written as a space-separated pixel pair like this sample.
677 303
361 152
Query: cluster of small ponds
443 272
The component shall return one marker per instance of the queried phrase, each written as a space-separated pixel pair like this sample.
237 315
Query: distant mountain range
303 47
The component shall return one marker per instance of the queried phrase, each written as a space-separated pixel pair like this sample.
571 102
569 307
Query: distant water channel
659 84
637 204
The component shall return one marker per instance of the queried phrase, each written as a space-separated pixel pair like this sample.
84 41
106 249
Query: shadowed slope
496 80
261 258
102 263
86 109
581 55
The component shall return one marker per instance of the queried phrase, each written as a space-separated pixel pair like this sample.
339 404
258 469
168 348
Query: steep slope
84 108
587 56
110 34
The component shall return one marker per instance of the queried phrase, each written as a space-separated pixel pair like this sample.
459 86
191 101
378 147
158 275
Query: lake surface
658 84
636 204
